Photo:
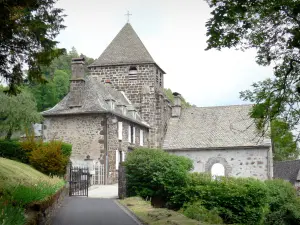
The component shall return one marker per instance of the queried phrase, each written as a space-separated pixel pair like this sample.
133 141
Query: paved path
92 211
103 191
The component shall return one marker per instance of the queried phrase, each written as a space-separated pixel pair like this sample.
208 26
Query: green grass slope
13 173
20 186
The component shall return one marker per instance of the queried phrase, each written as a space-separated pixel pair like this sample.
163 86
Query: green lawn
156 216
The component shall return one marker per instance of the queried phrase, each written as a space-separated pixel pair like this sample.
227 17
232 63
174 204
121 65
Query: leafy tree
18 112
61 83
27 32
58 76
45 95
285 148
170 96
272 27
63 63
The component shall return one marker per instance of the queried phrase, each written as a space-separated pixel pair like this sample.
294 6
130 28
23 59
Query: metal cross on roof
128 15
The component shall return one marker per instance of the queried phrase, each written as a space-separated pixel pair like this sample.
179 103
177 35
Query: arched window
217 170
132 73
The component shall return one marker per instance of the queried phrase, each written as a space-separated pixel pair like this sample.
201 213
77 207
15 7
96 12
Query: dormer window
123 109
132 73
111 103
134 114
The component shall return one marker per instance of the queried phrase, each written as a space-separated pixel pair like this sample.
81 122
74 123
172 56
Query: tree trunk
9 134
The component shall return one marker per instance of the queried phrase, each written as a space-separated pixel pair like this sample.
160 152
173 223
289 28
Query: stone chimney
77 83
176 108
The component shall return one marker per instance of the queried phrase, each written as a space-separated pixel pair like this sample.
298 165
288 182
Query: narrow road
91 211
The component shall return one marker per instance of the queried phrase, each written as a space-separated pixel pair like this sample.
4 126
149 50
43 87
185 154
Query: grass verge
156 216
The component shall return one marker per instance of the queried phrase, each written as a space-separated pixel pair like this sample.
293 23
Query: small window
120 130
141 137
123 156
120 156
117 159
160 80
132 73
132 134
129 133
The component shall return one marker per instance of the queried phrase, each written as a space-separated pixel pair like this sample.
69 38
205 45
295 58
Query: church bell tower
131 69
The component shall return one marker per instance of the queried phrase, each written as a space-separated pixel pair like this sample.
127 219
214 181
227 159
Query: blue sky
173 31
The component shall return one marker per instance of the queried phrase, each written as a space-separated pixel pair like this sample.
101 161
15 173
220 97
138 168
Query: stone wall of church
115 146
237 162
84 132
145 92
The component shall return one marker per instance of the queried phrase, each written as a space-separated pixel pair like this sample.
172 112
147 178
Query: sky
174 33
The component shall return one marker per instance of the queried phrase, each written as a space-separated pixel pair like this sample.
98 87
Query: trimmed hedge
153 173
238 200
12 150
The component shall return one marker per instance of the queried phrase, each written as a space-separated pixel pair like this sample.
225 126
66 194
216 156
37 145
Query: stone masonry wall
121 145
237 162
84 132
144 92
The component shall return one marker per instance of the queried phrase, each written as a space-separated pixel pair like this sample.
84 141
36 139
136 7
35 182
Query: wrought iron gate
79 181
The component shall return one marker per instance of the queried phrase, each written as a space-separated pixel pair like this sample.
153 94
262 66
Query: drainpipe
106 150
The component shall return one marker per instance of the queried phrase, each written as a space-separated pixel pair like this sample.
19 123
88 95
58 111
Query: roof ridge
220 106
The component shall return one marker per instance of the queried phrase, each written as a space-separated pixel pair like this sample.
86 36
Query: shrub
284 205
12 150
30 143
198 212
155 173
49 159
66 149
238 200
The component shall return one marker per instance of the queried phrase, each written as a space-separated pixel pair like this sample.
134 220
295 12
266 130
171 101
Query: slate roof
213 127
94 97
287 170
126 48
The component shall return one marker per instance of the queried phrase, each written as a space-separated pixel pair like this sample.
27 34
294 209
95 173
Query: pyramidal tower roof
125 48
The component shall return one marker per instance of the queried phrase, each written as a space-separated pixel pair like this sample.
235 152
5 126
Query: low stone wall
122 182
42 213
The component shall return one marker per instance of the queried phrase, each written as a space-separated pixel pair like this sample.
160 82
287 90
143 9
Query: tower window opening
132 73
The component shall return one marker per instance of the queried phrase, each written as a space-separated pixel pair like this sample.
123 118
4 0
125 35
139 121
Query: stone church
121 105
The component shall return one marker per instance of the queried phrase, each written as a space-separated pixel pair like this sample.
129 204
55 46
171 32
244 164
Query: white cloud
174 33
